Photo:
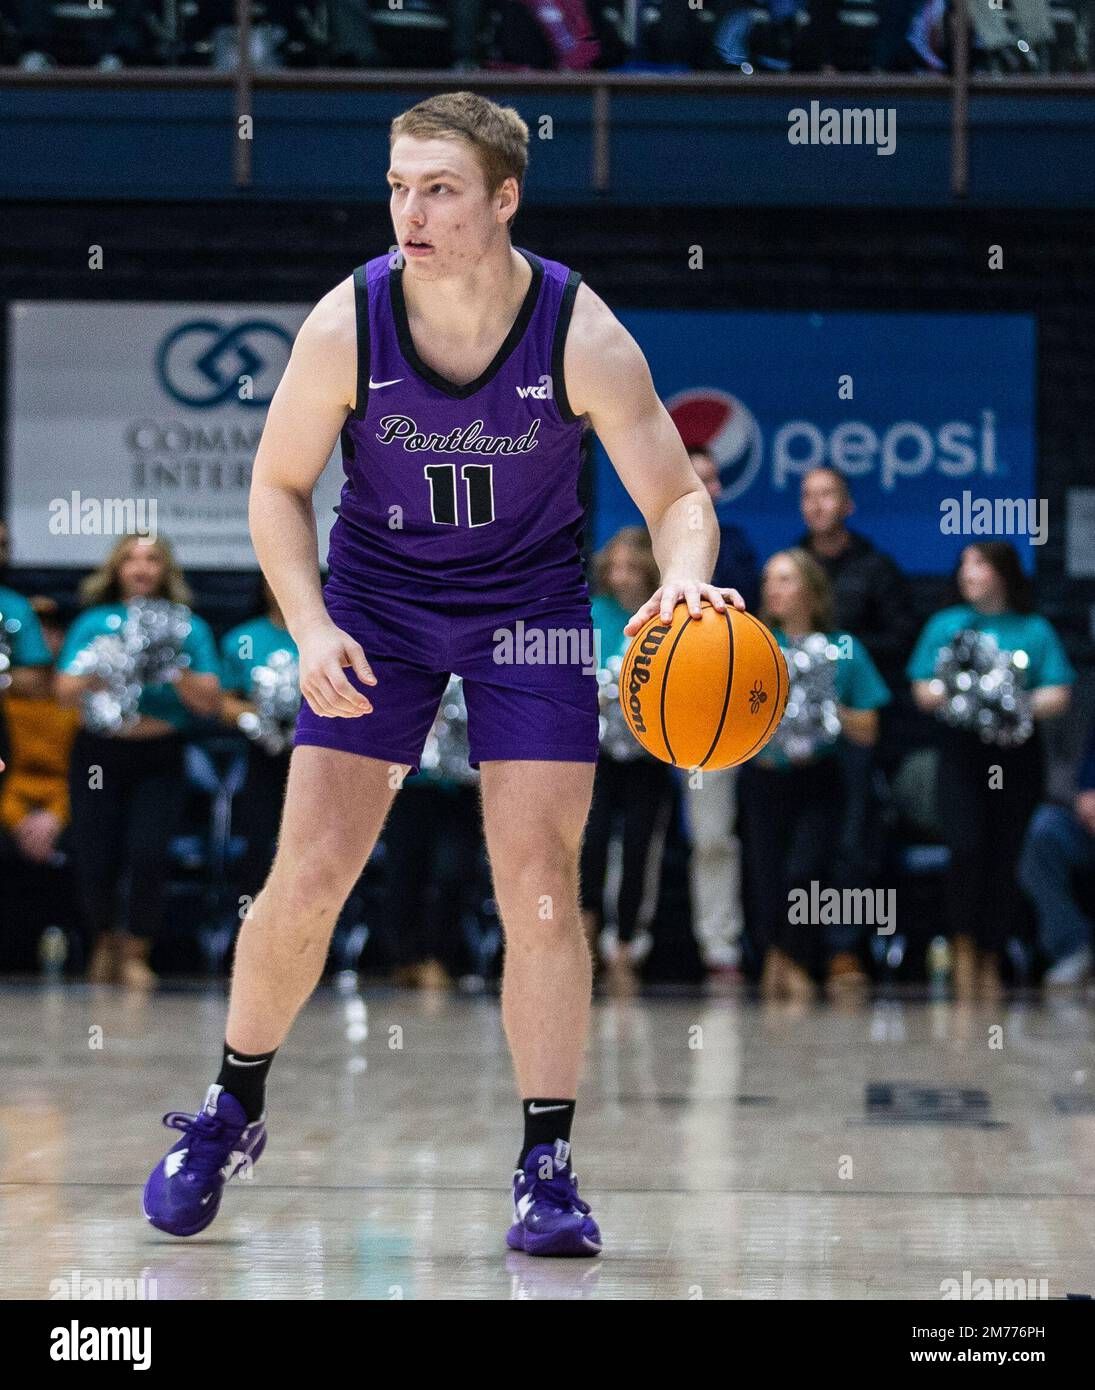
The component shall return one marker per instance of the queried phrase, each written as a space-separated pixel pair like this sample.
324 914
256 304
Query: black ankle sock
545 1121
243 1075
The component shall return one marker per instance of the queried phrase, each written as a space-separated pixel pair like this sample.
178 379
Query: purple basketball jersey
466 495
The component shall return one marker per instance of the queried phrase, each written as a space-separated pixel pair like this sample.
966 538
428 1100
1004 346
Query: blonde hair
635 538
816 583
497 134
104 584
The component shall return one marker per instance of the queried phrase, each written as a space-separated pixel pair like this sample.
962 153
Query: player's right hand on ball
325 652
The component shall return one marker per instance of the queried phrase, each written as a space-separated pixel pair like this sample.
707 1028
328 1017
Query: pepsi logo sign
720 423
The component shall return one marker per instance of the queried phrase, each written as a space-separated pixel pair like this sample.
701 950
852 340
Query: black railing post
244 97
960 98
601 133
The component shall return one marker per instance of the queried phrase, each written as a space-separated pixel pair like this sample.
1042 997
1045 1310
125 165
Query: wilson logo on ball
640 672
691 690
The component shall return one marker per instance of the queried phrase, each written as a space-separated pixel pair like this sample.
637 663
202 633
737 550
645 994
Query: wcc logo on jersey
540 392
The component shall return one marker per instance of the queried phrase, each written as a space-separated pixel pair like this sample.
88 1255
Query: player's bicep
307 412
634 426
647 454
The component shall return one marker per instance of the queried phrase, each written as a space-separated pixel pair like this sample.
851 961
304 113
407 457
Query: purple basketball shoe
549 1218
183 1193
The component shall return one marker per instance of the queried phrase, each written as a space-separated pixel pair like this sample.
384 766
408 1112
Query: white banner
124 414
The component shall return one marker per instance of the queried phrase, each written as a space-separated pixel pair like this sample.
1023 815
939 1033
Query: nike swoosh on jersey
376 385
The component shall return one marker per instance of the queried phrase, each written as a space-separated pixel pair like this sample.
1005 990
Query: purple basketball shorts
529 674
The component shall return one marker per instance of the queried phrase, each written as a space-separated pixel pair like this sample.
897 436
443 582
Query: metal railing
959 84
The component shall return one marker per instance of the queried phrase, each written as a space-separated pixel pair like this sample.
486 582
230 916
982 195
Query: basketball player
460 375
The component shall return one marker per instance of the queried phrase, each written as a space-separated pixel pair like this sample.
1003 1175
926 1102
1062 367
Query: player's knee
313 890
544 887
557 844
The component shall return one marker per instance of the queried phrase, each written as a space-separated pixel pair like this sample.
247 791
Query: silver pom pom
113 708
275 693
9 626
143 647
811 721
983 687
446 749
617 740
155 630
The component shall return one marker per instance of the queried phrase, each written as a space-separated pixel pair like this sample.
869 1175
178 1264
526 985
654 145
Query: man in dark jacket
736 566
872 601
869 591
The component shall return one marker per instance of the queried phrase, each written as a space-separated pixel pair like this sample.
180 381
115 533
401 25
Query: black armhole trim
361 311
558 346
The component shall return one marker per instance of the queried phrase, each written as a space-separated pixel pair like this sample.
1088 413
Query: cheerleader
630 787
258 805
127 789
986 794
793 803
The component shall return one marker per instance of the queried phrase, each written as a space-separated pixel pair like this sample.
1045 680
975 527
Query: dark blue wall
675 149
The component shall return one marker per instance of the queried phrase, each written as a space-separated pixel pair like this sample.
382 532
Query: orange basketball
703 692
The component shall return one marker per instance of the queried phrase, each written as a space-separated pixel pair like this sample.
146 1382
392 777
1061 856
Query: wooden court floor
730 1150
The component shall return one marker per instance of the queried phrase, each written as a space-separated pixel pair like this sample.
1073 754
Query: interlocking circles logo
206 363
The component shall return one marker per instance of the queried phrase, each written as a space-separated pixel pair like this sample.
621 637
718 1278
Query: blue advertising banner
926 415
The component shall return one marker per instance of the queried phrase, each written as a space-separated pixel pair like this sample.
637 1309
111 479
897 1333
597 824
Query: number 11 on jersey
478 486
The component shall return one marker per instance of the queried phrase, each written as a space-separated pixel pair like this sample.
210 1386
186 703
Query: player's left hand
673 591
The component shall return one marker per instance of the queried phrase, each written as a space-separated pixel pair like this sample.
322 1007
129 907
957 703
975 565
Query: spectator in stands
926 35
1058 854
25 659
127 788
34 809
998 31
544 34
109 36
733 31
34 795
871 598
257 808
870 595
711 799
984 813
736 563
630 785
792 811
